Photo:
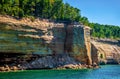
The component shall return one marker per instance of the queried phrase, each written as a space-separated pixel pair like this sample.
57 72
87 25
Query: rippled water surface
105 72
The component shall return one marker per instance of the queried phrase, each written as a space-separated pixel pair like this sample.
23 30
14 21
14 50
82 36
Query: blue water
105 72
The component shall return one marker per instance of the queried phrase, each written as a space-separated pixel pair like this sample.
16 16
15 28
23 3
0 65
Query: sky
99 11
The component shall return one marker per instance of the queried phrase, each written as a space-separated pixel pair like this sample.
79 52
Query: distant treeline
105 31
55 10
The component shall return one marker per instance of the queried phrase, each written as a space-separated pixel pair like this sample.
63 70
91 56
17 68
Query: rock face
78 43
49 62
47 39
94 54
25 36
106 51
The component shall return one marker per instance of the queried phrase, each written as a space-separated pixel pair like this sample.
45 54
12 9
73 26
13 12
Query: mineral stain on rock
42 44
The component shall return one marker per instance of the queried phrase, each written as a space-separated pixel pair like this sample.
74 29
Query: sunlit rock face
94 54
78 43
25 36
87 38
45 38
108 51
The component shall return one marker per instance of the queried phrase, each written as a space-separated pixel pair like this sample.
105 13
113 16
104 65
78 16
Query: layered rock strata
46 39
106 51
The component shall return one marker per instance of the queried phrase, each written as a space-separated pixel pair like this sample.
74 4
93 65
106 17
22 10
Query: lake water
105 72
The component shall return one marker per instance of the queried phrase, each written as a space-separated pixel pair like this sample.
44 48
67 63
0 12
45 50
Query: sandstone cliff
51 42
78 43
105 51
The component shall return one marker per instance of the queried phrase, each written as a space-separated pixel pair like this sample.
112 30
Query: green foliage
55 10
48 9
105 31
101 56
84 20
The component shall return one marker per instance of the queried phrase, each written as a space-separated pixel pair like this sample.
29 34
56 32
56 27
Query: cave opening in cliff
8 58
17 58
